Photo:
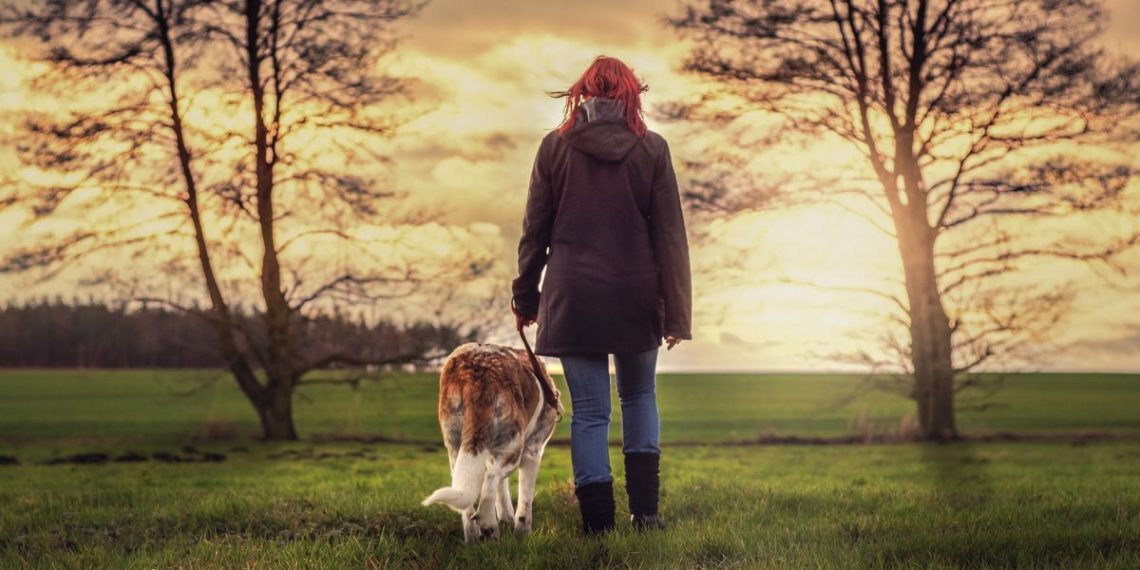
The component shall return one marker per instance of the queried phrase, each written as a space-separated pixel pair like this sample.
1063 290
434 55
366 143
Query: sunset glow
773 290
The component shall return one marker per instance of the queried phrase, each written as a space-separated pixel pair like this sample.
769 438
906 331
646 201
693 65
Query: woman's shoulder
552 139
655 140
653 143
655 146
651 136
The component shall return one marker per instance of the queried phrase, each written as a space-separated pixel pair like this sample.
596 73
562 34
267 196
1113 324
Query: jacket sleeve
671 248
537 224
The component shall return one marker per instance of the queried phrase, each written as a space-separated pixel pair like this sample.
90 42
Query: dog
494 417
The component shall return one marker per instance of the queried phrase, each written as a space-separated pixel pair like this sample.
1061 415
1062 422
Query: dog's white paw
490 532
522 525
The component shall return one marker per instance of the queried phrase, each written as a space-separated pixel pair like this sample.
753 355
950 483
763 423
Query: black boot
596 501
643 483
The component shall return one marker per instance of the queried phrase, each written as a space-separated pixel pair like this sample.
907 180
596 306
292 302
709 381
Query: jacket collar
601 108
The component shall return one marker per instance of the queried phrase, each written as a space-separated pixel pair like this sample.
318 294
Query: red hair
606 77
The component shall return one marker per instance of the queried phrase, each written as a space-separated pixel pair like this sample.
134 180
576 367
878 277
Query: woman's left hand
522 321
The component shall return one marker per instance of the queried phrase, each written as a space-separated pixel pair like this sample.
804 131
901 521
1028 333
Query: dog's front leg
506 508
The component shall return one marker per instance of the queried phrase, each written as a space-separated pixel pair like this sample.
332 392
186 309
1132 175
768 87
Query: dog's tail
466 481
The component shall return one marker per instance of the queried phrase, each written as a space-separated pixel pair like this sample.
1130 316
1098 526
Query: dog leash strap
548 393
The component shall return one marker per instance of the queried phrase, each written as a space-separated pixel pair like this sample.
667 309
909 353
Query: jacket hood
601 131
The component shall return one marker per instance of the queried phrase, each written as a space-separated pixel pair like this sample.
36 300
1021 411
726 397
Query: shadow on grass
969 521
282 522
958 477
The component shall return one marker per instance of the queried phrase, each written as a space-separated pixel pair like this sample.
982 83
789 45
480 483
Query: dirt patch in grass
316 455
1076 438
99 458
190 454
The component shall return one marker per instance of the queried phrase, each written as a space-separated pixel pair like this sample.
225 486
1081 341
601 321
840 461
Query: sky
486 64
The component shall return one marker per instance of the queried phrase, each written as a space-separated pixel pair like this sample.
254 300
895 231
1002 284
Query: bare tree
972 117
228 123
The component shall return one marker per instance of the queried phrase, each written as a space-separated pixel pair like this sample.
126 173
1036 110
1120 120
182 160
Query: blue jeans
588 378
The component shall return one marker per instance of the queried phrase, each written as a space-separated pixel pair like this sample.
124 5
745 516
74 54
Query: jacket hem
568 351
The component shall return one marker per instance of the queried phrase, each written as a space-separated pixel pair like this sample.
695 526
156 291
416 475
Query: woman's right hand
671 341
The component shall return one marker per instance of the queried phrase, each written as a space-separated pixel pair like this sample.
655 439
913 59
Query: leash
549 394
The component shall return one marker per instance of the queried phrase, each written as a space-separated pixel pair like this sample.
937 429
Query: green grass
784 506
174 405
351 505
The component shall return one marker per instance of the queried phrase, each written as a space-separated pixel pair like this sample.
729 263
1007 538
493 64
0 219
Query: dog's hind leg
470 521
510 463
466 477
528 473
488 500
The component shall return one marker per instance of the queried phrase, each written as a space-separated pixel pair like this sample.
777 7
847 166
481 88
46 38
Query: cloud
1125 343
456 28
732 339
472 153
482 70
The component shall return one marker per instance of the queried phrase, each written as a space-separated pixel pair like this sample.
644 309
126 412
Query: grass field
176 405
310 504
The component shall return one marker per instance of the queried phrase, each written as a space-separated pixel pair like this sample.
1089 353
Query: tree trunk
930 344
220 315
276 412
929 334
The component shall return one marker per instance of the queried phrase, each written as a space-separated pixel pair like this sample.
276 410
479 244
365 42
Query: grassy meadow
154 405
235 502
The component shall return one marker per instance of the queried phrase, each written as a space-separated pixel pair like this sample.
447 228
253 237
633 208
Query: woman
603 198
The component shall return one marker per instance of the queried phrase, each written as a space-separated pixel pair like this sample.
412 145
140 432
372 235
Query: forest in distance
52 333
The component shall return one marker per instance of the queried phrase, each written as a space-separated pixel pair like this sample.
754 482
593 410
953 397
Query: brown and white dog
494 419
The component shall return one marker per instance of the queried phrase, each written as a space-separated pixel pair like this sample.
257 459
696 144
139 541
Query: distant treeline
57 334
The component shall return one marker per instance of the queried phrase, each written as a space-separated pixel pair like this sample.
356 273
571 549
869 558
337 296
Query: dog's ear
554 388
546 378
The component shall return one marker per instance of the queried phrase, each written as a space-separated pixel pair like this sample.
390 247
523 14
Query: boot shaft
596 503
643 482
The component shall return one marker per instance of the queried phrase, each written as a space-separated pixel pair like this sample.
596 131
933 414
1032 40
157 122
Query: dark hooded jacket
603 215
